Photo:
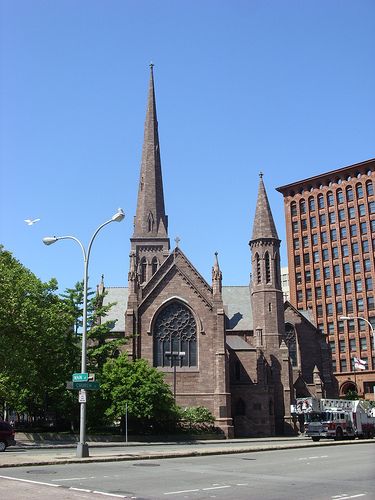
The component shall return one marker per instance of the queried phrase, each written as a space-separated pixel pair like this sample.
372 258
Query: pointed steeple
216 278
150 219
264 225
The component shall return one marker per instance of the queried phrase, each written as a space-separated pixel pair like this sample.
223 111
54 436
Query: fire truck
335 418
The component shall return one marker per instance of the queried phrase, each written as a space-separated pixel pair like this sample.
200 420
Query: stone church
238 350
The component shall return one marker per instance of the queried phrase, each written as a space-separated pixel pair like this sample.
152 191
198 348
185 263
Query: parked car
6 436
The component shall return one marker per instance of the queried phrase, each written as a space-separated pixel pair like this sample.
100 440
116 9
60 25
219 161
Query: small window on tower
268 267
150 222
154 265
259 274
143 270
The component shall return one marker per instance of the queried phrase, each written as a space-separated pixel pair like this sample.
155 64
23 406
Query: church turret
267 297
150 242
217 278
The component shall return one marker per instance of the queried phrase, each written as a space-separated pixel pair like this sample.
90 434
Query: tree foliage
197 416
37 346
141 389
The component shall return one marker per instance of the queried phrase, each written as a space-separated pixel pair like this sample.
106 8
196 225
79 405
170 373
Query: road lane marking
344 496
181 491
69 479
79 489
109 494
216 487
29 481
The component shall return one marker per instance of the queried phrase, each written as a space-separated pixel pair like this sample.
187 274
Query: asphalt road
322 473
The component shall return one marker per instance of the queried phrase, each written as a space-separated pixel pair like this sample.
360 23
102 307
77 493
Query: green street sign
80 377
88 385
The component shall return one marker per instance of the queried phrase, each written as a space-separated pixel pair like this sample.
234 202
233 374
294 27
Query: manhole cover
39 471
146 465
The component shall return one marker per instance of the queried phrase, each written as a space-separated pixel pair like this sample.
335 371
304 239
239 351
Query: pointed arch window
291 343
150 222
240 408
268 267
277 269
258 270
143 270
154 265
175 330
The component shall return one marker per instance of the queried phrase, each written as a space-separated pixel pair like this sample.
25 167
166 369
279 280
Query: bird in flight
30 222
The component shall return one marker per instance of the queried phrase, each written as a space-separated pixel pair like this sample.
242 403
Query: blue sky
282 87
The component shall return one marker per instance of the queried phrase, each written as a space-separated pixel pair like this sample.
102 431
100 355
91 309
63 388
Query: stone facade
224 348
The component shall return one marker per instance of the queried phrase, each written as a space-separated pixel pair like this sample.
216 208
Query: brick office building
233 353
330 222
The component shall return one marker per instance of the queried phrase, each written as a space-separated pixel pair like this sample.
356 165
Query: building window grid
359 304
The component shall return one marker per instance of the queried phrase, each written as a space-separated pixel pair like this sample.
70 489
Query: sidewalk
31 454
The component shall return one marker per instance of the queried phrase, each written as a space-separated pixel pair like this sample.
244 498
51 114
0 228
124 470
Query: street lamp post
82 447
175 355
346 318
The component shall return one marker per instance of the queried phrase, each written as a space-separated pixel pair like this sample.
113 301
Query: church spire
264 226
150 220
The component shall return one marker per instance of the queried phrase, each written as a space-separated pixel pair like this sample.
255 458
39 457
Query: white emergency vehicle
335 418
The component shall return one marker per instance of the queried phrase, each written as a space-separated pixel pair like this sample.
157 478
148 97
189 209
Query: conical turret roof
264 225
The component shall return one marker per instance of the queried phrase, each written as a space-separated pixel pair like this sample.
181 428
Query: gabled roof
237 307
176 262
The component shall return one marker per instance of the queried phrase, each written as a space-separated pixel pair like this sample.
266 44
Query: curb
182 454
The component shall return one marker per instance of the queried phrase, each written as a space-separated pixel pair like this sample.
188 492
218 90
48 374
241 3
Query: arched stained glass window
291 342
175 332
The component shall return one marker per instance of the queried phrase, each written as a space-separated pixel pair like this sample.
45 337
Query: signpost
82 396
80 377
88 385
82 382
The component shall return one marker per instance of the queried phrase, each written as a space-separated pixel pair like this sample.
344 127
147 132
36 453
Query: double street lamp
82 447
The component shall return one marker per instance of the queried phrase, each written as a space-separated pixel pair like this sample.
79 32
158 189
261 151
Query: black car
6 436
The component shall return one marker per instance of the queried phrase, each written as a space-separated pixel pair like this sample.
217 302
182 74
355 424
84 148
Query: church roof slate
236 300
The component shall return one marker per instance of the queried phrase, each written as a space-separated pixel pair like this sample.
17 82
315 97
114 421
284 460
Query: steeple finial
150 219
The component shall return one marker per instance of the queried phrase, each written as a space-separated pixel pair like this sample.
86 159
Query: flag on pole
359 364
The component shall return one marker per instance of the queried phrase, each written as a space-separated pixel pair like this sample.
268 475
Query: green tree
142 389
37 346
74 299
